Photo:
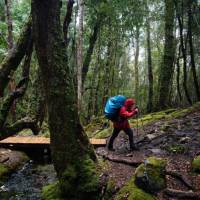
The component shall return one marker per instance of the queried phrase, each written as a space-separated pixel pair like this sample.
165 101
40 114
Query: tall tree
167 66
9 23
80 52
183 49
149 61
72 154
193 66
137 50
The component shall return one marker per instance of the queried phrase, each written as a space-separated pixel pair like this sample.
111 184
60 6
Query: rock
150 136
11 161
150 176
184 140
131 192
196 164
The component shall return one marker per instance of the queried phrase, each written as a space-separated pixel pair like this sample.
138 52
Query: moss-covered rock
150 176
131 192
4 171
196 164
12 161
51 192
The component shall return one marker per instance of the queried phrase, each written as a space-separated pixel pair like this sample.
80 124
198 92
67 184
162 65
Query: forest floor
177 140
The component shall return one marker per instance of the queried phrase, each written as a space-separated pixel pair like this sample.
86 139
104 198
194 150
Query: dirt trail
178 140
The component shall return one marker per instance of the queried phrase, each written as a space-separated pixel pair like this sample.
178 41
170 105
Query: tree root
181 177
182 194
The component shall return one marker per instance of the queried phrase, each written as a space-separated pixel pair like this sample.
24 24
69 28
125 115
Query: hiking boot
134 148
111 149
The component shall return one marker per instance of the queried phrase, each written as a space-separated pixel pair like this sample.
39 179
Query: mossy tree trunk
167 66
72 154
150 72
193 65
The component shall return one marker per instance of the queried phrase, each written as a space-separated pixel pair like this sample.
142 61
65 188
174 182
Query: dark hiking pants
115 133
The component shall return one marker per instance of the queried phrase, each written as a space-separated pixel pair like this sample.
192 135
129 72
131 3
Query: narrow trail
176 140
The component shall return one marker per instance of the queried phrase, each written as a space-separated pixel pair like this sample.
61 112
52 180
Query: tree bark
80 54
72 153
92 41
183 49
193 67
150 73
167 67
13 59
9 23
136 62
67 20
178 74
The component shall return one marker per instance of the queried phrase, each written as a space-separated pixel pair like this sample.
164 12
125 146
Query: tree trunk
150 73
9 23
196 84
88 56
136 62
80 53
167 67
72 153
183 49
11 84
178 75
13 59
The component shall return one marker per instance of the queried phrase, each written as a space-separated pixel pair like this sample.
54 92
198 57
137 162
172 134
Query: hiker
121 123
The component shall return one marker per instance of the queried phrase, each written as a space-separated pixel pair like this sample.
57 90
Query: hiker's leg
129 132
112 138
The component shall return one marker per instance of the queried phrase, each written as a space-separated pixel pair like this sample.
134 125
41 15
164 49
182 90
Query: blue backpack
113 105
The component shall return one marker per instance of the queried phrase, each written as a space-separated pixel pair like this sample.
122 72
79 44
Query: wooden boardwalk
35 141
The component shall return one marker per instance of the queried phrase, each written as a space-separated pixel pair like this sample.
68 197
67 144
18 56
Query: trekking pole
142 123
137 125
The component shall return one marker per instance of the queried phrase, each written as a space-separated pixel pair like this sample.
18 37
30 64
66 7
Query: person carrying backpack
120 122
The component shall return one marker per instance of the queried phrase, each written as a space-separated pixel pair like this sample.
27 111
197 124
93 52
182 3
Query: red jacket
125 112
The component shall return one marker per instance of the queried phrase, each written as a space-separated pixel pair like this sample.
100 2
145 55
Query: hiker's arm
126 114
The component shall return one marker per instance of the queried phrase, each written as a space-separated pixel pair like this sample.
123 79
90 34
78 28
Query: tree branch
25 123
67 20
20 88
11 62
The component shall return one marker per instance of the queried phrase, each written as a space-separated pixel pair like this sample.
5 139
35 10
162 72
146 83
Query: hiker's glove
136 110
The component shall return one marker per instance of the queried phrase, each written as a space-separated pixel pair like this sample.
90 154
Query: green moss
178 148
4 171
131 192
196 164
51 192
150 176
104 133
80 180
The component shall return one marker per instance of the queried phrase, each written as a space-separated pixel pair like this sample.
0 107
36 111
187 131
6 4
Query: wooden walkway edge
36 141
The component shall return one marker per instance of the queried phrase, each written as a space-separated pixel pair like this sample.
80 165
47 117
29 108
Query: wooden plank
35 140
